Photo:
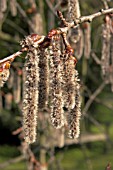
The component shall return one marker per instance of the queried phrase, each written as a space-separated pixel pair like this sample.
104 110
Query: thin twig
64 29
92 97
13 160
51 7
22 12
105 4
94 56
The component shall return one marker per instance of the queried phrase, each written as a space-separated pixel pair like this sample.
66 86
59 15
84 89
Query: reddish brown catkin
68 82
87 40
13 7
44 78
75 113
30 96
56 100
105 55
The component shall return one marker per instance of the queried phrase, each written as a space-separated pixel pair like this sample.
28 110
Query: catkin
17 88
30 96
8 101
75 113
74 9
56 100
44 78
3 5
111 55
105 55
68 82
13 7
79 46
87 40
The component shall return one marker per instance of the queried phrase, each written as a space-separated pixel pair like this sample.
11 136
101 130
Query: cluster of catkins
51 82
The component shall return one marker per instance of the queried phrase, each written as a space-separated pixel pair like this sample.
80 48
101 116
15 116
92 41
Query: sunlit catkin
44 78
105 55
30 96
68 82
87 40
56 100
75 113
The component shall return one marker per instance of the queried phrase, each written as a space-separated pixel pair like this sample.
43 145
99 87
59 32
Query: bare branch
92 97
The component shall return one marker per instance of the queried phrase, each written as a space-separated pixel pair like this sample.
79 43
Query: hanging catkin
30 96
105 55
3 5
44 78
79 46
75 113
56 100
75 34
87 40
13 7
17 88
8 101
68 82
111 55
74 9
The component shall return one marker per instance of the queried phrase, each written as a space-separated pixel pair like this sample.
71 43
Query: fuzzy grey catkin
75 113
111 56
79 46
4 75
56 100
17 88
13 7
44 78
105 55
87 40
68 82
74 9
30 96
75 34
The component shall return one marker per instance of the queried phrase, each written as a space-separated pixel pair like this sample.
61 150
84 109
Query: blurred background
53 150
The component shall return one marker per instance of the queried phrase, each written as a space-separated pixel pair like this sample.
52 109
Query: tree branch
64 30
